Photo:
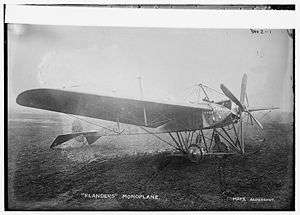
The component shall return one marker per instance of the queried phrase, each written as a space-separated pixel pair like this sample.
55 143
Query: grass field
140 173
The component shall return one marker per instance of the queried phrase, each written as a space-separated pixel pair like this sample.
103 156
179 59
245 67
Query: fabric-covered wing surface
129 111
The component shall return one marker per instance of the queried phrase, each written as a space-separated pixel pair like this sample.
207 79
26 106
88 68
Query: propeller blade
247 101
256 121
227 92
242 134
243 88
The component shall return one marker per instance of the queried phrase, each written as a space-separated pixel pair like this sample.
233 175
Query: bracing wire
146 131
197 92
203 85
100 126
154 134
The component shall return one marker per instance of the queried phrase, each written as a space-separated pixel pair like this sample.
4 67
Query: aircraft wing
170 117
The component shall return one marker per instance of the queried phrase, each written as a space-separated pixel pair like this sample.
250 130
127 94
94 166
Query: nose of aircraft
220 113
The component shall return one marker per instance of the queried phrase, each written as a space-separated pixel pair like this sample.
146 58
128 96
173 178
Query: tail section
91 137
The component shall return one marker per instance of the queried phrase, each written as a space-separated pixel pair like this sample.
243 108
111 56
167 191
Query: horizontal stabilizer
91 137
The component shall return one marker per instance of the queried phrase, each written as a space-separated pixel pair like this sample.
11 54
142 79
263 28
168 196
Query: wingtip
24 97
20 98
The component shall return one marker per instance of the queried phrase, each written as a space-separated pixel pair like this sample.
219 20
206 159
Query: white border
154 18
172 18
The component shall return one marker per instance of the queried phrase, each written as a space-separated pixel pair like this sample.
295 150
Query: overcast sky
108 60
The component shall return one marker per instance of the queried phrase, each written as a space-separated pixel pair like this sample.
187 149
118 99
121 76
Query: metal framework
217 142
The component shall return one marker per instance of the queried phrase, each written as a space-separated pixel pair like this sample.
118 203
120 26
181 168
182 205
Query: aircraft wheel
195 153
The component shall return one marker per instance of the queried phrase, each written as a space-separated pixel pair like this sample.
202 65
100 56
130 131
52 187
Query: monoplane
196 129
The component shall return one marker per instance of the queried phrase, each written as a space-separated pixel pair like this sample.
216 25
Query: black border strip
5 46
185 6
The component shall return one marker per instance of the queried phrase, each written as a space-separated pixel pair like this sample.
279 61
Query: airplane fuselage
219 116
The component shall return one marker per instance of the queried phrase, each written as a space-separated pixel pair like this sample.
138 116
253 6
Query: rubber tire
193 158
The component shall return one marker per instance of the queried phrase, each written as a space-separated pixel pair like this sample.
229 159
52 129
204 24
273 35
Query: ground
140 173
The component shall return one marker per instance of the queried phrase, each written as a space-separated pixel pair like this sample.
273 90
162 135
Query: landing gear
190 143
195 153
195 145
